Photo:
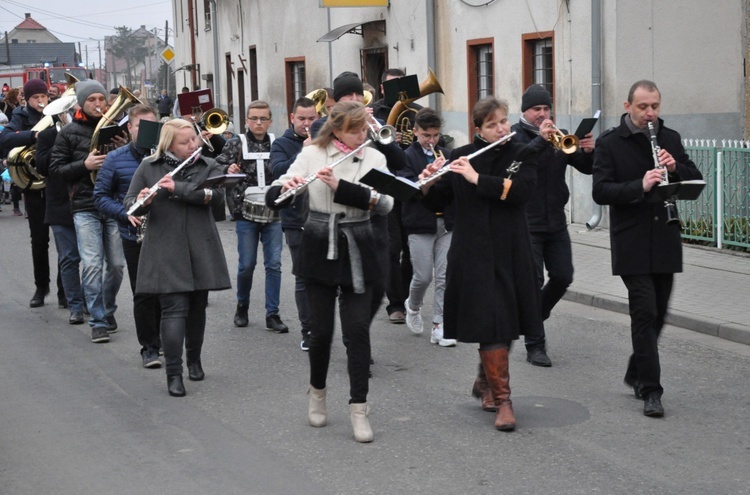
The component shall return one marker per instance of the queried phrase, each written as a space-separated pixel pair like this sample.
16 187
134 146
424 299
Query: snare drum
254 206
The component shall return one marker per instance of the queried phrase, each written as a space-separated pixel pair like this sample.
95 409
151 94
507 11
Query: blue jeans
68 261
103 262
271 236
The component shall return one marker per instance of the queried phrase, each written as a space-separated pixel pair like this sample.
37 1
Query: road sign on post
167 55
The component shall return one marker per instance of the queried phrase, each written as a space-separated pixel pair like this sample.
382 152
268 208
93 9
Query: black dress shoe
175 386
240 316
76 317
652 407
538 357
195 372
62 303
636 386
37 299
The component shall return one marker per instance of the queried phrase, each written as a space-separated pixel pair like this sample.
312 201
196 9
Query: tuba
125 99
22 159
399 115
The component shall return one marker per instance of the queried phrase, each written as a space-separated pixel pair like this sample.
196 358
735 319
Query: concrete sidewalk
709 296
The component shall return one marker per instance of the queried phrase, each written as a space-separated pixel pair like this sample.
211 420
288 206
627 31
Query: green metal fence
721 215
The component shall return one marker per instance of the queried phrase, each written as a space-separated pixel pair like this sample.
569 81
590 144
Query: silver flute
447 167
312 177
152 191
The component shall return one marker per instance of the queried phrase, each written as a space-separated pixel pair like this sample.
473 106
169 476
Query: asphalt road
80 418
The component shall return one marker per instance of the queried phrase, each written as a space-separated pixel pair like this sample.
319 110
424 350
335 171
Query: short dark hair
260 104
303 102
185 89
645 84
486 106
392 73
140 109
329 92
427 118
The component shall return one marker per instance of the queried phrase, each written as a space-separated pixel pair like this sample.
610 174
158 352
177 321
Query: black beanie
347 83
535 95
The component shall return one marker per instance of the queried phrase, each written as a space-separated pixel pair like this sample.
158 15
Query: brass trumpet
384 134
567 143
319 97
436 153
215 121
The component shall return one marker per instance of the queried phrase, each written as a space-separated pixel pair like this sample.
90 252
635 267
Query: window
229 79
374 63
253 73
539 60
207 13
295 80
481 75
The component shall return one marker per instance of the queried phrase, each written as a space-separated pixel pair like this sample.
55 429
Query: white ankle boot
360 423
316 414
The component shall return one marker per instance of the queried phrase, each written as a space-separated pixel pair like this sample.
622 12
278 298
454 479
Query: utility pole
166 65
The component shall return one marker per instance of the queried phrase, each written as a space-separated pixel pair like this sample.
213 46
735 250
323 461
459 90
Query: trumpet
383 134
155 188
447 167
215 121
567 143
312 177
436 153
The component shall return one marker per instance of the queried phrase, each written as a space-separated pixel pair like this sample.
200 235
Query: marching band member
181 256
340 256
491 295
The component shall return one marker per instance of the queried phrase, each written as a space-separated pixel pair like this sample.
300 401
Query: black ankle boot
175 386
240 316
37 299
195 371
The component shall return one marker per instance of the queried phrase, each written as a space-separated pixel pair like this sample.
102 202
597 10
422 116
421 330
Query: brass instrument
567 143
22 159
384 134
319 97
367 97
215 121
447 167
672 214
125 99
398 117
436 153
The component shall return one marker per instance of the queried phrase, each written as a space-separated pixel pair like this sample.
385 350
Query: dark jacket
18 131
112 183
68 155
181 250
642 241
164 104
415 217
57 208
491 292
546 208
283 152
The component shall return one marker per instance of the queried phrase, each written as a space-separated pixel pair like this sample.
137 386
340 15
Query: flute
312 177
447 167
152 191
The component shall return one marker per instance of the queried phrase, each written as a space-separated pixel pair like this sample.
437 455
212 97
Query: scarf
346 150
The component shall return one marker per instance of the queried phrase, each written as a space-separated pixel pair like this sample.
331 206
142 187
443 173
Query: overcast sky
87 21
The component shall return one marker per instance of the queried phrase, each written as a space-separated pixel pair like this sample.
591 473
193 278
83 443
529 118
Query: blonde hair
344 116
168 132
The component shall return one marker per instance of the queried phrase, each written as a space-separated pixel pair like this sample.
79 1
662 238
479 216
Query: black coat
68 156
18 131
284 151
57 210
491 290
415 217
642 241
546 208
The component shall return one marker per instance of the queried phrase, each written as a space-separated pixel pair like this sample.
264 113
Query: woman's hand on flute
145 192
326 175
292 183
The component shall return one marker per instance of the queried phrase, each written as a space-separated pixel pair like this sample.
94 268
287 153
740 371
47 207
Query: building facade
587 52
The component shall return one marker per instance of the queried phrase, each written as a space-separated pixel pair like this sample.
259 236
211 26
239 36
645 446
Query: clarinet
672 214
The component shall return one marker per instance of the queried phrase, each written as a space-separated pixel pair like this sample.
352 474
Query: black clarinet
673 216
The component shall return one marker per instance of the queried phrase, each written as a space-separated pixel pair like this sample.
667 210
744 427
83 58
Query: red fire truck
16 76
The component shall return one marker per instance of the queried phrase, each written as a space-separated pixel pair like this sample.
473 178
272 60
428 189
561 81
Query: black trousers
146 309
183 320
380 233
354 312
294 241
399 262
36 205
648 299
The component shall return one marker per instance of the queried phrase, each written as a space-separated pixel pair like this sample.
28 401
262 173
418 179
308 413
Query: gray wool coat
181 249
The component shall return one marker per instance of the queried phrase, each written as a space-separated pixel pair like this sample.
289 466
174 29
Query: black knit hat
535 95
34 87
347 83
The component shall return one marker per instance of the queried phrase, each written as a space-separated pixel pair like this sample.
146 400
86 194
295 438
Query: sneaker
414 319
436 337
305 344
274 324
111 324
151 359
99 335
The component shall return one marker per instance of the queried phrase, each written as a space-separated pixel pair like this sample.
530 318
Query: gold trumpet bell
319 96
215 121
567 143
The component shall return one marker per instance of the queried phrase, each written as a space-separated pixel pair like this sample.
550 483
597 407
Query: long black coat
642 241
491 291
181 249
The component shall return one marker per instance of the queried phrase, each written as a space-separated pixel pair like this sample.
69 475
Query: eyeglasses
256 120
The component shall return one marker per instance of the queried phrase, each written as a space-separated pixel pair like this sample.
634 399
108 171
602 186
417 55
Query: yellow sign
354 3
167 55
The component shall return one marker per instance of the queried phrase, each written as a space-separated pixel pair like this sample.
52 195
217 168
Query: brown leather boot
495 364
481 390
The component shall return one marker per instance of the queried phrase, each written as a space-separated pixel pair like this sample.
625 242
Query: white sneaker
437 337
414 319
